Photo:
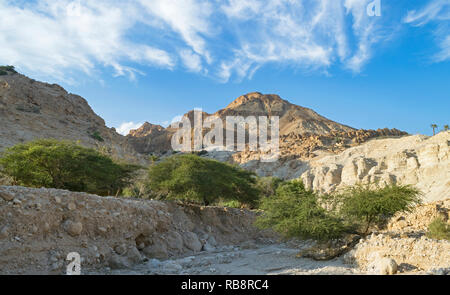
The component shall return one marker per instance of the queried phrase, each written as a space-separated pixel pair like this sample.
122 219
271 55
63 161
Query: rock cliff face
405 242
39 227
417 160
150 138
30 110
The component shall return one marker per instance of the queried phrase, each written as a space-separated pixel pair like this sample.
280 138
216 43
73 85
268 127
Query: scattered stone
4 232
6 196
133 255
73 228
212 241
439 271
102 229
118 262
120 249
383 265
154 263
192 242
208 248
248 245
71 206
172 267
158 251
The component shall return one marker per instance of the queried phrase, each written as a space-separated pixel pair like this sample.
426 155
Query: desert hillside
31 109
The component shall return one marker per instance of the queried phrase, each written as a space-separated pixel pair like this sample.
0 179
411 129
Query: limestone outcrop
404 241
417 160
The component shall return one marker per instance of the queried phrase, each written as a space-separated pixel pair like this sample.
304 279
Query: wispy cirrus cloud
437 13
309 34
53 37
223 39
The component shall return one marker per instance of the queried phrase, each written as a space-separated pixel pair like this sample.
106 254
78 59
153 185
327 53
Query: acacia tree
192 178
446 128
64 165
366 206
297 212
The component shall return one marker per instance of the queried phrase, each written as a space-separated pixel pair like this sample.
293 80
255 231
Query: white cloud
125 127
53 37
189 18
310 35
438 13
191 60
225 39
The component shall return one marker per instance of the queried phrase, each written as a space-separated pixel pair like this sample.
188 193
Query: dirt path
243 260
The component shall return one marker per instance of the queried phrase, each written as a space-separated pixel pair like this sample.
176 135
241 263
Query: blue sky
151 60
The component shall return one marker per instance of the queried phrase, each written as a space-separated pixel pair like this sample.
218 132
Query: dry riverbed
247 259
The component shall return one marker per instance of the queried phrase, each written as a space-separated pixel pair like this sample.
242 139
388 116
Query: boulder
73 228
158 251
192 242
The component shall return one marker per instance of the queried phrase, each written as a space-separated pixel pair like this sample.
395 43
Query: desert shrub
96 135
268 185
153 159
231 204
64 165
191 178
439 229
5 69
296 212
138 188
365 206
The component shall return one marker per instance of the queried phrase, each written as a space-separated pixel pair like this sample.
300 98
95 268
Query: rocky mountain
150 138
293 118
30 110
301 129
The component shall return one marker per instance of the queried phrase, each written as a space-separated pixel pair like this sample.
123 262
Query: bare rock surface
417 160
404 241
39 227
30 110
262 259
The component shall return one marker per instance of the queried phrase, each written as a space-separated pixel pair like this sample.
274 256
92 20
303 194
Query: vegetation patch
64 165
195 179
96 135
297 212
365 207
5 70
439 229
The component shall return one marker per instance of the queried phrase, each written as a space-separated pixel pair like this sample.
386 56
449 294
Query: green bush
268 185
366 206
64 165
296 212
191 178
5 69
96 135
439 229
